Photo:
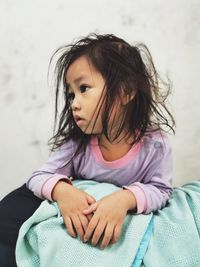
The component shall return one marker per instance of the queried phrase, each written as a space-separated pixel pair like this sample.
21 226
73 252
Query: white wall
30 31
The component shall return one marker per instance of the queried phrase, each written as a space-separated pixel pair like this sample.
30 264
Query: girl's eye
83 88
71 96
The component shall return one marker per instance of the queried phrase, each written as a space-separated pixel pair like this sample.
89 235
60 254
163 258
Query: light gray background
30 31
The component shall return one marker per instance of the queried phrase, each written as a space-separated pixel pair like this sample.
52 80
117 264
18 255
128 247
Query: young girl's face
85 85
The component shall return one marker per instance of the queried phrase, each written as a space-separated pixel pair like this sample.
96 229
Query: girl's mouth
79 120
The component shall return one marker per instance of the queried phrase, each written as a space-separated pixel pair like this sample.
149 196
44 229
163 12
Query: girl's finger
89 217
107 236
98 232
90 199
92 208
77 225
116 233
69 226
91 226
84 221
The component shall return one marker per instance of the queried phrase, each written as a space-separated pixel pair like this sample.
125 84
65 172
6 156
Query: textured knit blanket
44 241
176 238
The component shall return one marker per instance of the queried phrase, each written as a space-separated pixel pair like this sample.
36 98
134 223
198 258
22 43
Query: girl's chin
89 131
88 128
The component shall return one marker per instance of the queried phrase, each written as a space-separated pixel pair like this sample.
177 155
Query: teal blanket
169 238
176 237
43 239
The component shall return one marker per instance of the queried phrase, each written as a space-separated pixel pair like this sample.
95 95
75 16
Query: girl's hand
109 214
71 202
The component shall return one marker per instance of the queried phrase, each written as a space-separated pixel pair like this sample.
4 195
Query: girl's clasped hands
93 220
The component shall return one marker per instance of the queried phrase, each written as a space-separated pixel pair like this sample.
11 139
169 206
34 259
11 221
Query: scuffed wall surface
30 31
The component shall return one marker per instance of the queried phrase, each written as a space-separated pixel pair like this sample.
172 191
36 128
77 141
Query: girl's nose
75 104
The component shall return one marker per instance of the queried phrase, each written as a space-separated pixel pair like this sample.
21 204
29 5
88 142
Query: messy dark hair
122 65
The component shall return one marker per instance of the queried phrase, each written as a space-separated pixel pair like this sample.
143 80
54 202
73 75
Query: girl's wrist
60 187
130 199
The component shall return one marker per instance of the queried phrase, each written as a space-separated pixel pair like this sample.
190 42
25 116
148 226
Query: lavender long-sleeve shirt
146 170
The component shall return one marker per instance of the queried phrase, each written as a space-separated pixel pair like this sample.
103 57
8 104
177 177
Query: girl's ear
125 98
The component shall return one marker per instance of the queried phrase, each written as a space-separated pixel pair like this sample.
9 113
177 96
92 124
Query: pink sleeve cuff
50 183
140 197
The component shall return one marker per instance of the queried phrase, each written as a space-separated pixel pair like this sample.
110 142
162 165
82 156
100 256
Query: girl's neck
115 150
103 141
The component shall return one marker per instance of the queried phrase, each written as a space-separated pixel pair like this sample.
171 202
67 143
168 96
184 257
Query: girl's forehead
80 64
79 69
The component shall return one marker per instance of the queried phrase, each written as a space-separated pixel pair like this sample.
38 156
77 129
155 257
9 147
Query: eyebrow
77 80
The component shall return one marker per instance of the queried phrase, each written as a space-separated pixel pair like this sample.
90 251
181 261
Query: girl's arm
46 183
148 195
43 180
154 191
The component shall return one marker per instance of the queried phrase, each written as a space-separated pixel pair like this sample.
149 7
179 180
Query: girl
111 129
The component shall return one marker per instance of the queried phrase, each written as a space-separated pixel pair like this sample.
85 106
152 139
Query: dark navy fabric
15 209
